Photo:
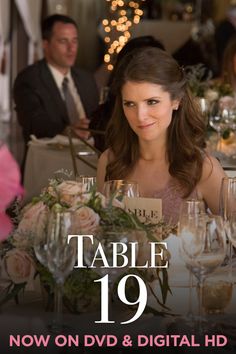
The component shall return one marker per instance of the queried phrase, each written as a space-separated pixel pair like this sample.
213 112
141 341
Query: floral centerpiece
19 264
216 98
201 84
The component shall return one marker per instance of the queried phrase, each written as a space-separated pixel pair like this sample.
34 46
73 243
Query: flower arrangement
198 79
218 90
20 266
201 84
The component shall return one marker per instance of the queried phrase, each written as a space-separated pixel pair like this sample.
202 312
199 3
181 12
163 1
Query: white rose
211 95
86 220
19 266
70 190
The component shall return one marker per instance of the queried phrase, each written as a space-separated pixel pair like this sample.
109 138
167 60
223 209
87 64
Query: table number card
146 209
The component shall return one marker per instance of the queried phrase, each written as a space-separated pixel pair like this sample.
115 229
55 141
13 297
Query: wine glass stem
190 312
200 308
58 303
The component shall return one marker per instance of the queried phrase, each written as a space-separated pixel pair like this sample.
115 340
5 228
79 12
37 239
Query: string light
124 14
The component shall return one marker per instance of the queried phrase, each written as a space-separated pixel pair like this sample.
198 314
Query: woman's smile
146 126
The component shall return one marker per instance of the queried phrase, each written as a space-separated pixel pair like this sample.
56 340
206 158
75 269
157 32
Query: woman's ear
175 104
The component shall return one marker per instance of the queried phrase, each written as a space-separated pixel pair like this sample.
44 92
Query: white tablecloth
43 163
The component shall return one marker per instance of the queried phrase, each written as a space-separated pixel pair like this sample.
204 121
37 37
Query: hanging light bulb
126 13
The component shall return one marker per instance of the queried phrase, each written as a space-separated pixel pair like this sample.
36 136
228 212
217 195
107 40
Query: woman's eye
152 102
128 104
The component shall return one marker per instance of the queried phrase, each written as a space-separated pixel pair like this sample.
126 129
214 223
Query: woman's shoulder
104 160
210 167
210 183
106 157
212 173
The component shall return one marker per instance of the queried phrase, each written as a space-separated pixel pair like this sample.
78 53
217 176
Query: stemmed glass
52 250
106 237
120 188
88 182
203 247
189 208
219 120
228 207
228 210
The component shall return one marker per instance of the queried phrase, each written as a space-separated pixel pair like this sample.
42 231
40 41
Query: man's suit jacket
40 108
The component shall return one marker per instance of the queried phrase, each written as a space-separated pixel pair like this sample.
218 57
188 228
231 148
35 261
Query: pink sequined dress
171 197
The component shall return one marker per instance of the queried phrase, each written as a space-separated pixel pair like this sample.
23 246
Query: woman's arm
210 184
101 170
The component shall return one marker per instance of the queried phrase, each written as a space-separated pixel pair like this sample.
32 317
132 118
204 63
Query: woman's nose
141 112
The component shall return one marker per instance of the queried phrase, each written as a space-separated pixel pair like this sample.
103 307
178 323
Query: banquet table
30 318
45 162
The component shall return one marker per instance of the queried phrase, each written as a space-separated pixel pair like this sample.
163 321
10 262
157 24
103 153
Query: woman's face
148 109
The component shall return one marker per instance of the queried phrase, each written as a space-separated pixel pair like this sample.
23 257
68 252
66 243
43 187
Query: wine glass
203 247
218 287
119 189
112 240
88 181
189 208
52 251
228 208
219 120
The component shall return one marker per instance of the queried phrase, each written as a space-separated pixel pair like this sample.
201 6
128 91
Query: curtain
30 12
4 60
88 14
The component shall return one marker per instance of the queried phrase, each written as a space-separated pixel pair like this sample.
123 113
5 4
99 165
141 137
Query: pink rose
70 190
86 220
33 215
9 188
19 266
227 102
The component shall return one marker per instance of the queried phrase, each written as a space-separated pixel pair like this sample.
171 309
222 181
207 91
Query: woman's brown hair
185 137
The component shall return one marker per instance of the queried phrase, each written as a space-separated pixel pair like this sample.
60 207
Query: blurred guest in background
228 71
156 134
53 94
103 114
224 31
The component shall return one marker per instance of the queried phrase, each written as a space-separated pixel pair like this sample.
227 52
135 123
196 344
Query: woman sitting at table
156 135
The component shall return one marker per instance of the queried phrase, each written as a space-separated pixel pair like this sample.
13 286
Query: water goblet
119 189
52 251
203 247
218 288
189 208
88 181
228 211
219 120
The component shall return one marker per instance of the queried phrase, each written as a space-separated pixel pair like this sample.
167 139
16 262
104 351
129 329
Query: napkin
56 140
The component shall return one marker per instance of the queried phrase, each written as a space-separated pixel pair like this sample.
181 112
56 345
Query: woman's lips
145 126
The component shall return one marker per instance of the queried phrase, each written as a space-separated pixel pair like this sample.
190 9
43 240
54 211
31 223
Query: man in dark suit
52 94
